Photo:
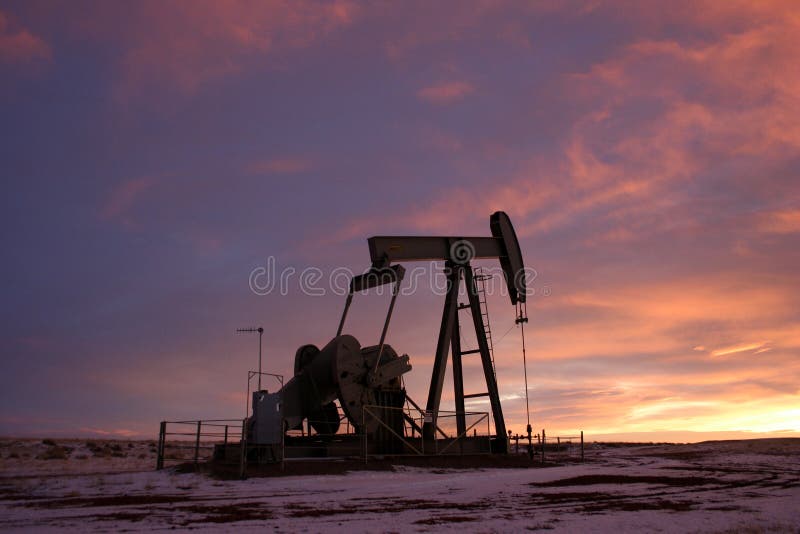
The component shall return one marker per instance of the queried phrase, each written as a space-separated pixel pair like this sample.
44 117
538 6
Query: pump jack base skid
343 464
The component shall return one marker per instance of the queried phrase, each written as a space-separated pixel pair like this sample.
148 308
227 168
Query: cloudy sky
156 154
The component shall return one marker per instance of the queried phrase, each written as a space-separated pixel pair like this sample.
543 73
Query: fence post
283 441
162 436
581 445
544 443
226 437
364 431
197 443
243 451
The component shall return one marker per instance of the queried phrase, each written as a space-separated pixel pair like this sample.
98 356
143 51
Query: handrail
197 439
366 410
484 417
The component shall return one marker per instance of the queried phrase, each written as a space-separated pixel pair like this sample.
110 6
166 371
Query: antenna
260 331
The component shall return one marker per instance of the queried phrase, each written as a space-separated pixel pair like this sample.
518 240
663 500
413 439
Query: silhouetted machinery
367 381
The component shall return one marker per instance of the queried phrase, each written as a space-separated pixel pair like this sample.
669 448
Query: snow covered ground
738 486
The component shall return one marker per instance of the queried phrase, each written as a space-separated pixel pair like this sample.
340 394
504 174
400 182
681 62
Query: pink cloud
287 165
443 25
750 73
632 172
641 172
758 347
437 139
628 177
20 46
124 196
36 342
781 222
185 45
445 92
622 317
204 244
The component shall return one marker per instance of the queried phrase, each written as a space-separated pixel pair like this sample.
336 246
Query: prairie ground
724 486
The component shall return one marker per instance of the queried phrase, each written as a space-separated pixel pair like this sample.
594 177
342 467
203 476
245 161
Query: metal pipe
344 313
395 291
260 332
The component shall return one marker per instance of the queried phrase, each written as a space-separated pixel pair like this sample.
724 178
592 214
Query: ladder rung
473 395
463 306
473 351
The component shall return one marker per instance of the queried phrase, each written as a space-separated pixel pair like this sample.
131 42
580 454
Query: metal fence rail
409 441
555 446
226 440
195 441
308 442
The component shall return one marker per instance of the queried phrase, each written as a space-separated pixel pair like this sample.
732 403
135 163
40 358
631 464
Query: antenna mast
260 331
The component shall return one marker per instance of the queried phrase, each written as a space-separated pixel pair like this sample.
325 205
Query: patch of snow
687 488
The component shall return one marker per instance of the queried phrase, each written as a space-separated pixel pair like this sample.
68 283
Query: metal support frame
373 278
423 446
382 342
458 379
366 410
443 345
420 410
486 360
450 341
462 435
457 253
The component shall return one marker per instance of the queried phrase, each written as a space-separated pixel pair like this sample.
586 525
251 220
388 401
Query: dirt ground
724 486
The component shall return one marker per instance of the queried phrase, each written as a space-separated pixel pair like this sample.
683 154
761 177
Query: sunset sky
154 154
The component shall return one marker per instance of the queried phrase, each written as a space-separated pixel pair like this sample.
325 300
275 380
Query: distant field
724 486
21 457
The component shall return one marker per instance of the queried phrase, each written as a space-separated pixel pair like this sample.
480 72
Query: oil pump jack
370 376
